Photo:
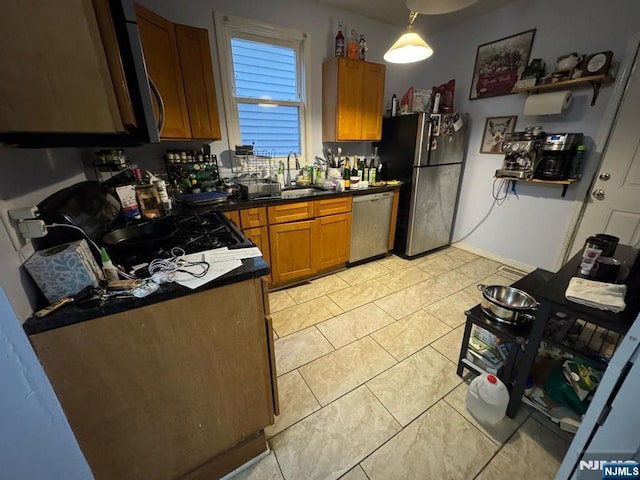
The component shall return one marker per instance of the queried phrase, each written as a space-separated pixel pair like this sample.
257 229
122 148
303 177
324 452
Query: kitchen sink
303 192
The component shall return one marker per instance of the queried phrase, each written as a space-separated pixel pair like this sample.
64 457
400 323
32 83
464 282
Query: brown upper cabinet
178 59
352 100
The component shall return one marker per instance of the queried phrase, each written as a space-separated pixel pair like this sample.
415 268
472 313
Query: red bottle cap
492 379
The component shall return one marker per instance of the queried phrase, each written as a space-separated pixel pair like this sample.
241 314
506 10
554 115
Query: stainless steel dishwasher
370 224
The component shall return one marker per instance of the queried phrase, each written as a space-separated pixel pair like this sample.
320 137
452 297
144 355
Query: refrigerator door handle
424 135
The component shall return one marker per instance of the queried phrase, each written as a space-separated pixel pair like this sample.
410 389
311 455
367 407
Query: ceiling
397 13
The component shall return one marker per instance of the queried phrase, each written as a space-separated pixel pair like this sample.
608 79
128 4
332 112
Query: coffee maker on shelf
556 156
521 151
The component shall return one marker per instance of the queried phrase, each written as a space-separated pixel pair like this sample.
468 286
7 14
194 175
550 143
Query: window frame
228 27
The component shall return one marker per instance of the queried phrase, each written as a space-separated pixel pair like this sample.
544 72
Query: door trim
602 140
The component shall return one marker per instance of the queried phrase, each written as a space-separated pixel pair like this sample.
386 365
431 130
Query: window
264 83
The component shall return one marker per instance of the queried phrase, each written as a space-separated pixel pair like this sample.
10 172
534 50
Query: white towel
605 296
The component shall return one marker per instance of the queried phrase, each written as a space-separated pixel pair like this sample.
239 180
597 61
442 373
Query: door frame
601 141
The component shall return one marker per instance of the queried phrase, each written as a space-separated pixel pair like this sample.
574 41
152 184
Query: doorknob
604 176
598 194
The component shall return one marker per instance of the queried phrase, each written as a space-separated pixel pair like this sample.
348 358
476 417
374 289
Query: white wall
530 229
28 177
36 441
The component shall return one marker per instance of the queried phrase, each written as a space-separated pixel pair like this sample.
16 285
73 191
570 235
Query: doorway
613 202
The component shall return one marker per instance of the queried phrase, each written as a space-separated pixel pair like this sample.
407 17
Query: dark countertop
251 268
76 313
553 292
234 203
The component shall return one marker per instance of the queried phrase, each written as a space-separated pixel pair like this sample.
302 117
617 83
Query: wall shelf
594 80
565 183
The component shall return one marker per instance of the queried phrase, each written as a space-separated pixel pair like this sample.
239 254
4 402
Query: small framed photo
495 129
437 119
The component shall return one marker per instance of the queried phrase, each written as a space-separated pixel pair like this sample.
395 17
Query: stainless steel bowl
508 304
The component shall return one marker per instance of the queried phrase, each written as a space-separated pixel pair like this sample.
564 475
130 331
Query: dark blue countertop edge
72 314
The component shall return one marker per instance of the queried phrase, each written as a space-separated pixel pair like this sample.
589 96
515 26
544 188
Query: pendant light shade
410 47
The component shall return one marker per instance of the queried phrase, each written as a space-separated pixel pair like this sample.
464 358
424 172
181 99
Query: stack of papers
220 260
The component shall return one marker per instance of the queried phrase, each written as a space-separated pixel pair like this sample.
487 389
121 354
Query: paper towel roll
547 103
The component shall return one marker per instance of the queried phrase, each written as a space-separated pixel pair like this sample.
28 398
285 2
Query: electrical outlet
11 227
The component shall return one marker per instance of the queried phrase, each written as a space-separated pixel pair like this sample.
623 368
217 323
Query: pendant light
410 47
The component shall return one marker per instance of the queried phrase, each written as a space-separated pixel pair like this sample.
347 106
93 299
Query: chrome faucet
288 179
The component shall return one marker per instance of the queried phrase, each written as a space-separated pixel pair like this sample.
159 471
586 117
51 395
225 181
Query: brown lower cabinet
180 388
292 246
303 248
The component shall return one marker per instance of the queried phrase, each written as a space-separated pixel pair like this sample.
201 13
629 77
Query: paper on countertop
216 270
224 254
220 260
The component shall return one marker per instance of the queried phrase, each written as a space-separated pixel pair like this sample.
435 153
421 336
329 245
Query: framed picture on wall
495 129
499 65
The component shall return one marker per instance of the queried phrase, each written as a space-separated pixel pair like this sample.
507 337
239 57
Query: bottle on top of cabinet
352 46
362 48
339 47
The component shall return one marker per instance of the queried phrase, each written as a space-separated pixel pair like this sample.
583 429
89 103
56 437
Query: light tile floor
366 362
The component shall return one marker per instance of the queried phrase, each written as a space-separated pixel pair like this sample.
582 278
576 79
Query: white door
614 203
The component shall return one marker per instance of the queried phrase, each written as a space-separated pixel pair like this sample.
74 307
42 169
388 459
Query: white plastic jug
487 399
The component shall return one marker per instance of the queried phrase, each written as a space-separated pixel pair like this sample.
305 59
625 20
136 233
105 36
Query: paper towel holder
595 81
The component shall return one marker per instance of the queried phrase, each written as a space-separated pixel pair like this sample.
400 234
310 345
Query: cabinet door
292 250
372 102
160 48
199 86
332 240
349 114
259 236
253 217
56 76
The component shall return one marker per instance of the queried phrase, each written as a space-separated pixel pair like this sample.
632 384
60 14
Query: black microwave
77 77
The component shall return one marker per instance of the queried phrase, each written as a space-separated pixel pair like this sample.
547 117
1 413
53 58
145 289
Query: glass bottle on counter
346 173
372 171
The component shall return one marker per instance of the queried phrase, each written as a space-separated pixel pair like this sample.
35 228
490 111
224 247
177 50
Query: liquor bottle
352 46
346 173
355 176
365 170
339 42
372 171
357 164
362 48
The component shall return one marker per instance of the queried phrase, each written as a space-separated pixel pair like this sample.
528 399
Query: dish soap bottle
108 268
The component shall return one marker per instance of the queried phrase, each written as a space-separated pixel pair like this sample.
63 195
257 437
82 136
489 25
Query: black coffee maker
556 155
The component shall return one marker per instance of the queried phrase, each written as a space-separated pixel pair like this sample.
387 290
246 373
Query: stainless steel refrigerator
429 158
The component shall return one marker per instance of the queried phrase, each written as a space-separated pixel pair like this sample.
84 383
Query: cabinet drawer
331 206
234 216
253 217
290 212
